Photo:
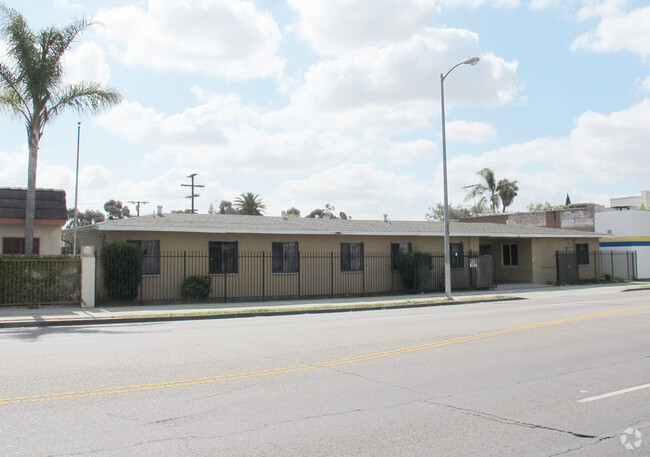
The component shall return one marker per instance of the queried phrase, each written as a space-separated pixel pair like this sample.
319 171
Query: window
397 249
223 257
510 255
582 252
150 256
457 257
17 246
351 256
285 257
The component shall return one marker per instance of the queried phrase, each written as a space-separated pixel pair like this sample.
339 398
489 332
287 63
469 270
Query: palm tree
489 187
507 192
32 87
249 204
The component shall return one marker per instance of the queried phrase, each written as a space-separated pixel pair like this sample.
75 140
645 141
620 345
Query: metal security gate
600 266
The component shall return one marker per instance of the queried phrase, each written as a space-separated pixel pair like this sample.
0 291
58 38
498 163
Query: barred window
285 257
223 257
351 256
582 252
150 256
397 249
457 256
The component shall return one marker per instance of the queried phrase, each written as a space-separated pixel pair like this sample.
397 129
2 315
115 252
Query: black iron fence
39 280
258 276
603 266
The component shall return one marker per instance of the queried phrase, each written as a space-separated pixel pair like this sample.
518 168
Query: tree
438 213
225 207
489 187
249 204
538 207
507 191
293 212
88 217
318 212
32 87
115 210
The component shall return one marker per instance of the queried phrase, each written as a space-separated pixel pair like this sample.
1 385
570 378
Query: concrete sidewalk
45 316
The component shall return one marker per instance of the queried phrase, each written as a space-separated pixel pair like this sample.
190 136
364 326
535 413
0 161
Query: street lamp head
471 61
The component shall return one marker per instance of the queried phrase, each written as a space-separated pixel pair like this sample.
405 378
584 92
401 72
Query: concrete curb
180 316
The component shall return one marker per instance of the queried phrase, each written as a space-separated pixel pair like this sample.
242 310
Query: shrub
415 269
196 287
122 265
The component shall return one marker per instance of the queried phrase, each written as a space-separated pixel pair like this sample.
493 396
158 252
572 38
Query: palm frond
84 96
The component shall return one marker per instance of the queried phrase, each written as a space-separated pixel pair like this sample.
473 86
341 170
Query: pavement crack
508 421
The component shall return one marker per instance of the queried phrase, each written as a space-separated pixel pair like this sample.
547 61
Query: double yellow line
297 368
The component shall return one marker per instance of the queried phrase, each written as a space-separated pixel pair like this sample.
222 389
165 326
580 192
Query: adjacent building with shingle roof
50 216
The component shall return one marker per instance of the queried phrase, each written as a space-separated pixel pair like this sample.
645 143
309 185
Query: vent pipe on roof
284 215
385 217
160 211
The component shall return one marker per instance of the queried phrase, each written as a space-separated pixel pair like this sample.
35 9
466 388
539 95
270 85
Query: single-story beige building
263 253
50 216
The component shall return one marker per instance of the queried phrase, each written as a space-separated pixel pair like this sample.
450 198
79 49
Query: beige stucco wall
544 260
49 236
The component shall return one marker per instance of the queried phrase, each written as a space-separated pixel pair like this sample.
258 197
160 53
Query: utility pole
193 195
137 204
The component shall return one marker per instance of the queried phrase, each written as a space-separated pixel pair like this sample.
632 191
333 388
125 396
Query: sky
315 102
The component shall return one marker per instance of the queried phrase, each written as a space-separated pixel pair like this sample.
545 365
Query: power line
137 204
194 195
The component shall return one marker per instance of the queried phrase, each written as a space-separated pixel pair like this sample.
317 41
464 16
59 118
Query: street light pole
76 192
468 61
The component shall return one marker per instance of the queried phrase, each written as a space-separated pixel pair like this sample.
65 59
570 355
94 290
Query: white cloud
645 85
618 29
471 132
479 3
338 26
223 133
363 191
228 38
607 149
86 63
396 88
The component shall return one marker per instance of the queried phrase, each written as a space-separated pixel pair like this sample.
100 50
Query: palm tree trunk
30 204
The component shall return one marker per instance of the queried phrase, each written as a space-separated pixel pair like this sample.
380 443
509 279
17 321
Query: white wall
630 230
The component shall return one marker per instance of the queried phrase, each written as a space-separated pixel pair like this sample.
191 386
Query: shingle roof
225 223
50 204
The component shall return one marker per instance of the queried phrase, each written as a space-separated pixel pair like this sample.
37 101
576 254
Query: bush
122 265
415 269
196 287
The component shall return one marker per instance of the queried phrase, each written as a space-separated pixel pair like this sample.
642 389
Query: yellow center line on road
297 368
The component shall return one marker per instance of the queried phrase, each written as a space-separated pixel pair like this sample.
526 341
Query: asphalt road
554 375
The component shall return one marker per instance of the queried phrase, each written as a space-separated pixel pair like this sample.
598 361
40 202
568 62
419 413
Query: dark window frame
223 257
352 257
150 256
582 253
16 245
286 257
396 249
457 255
510 255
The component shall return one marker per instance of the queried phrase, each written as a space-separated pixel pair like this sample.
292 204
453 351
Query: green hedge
415 269
122 268
196 287
39 279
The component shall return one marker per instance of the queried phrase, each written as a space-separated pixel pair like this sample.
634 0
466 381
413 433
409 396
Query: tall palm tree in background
507 191
489 187
32 87
249 204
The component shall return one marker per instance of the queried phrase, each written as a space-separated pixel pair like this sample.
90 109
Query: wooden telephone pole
193 195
